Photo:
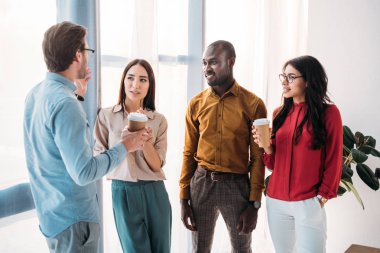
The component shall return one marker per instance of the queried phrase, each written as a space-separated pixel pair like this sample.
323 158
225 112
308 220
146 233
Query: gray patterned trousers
208 198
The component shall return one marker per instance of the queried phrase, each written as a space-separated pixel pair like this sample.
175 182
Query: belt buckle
213 176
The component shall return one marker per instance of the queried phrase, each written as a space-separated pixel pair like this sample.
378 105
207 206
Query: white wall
345 36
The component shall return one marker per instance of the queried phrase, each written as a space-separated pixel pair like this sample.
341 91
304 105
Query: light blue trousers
80 237
143 216
297 226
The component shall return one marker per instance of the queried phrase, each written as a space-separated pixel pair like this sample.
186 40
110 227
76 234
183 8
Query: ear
77 56
231 62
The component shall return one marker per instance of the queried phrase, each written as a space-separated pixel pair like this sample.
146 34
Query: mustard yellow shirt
218 137
108 127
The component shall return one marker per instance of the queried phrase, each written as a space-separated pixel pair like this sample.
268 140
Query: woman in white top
141 205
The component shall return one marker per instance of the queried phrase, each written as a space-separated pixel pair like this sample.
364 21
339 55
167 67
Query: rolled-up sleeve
72 137
100 134
257 169
160 143
189 163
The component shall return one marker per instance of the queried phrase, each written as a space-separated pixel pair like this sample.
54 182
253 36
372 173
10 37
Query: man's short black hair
226 46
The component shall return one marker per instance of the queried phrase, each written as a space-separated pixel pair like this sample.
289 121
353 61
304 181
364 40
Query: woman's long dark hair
316 99
148 102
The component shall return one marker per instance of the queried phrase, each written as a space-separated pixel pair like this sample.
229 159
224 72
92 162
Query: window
158 31
145 29
22 67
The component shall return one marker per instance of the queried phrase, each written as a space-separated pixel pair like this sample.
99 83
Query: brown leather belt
220 176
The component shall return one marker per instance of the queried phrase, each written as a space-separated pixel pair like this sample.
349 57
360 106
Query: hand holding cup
136 121
260 132
134 140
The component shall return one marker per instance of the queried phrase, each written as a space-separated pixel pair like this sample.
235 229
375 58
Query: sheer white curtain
265 34
22 66
151 30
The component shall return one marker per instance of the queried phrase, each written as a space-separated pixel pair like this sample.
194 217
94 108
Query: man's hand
187 214
81 84
247 220
134 140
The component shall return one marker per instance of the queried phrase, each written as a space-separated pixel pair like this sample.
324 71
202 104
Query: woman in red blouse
305 155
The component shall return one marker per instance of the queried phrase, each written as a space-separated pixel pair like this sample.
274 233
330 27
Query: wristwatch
322 199
256 204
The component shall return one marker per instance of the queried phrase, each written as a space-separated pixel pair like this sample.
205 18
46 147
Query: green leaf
341 190
343 185
370 141
348 137
367 176
350 187
366 149
348 180
375 152
347 172
359 139
266 182
358 156
346 151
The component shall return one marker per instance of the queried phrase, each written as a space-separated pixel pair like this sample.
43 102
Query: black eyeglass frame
289 79
88 49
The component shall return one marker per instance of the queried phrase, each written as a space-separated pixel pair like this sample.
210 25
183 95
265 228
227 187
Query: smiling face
217 66
296 89
136 84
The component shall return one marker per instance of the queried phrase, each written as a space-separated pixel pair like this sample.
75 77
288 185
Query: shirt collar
234 90
117 108
60 78
302 104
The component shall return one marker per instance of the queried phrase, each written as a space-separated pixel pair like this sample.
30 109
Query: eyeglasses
88 49
289 78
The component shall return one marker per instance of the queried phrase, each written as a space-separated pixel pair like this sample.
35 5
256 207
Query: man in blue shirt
61 165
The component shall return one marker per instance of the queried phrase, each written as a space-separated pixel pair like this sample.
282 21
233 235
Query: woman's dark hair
148 102
316 100
60 44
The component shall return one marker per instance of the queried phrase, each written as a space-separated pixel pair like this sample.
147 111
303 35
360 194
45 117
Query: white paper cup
136 121
262 128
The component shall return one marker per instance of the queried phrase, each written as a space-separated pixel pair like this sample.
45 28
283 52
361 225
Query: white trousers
297 226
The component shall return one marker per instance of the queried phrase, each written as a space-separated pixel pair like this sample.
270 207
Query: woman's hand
149 133
255 135
141 110
256 138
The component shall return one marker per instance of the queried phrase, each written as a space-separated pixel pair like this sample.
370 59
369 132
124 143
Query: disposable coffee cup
136 121
262 128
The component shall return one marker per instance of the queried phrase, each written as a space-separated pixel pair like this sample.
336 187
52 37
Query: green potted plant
356 149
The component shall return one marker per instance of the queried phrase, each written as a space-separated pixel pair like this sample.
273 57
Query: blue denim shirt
62 169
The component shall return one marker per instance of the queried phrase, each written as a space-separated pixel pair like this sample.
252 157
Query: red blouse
300 172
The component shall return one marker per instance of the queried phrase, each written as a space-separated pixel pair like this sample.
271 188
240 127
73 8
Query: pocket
194 177
92 233
319 203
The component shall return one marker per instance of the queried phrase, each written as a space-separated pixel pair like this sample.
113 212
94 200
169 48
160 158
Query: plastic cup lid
262 121
135 116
